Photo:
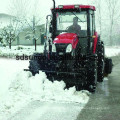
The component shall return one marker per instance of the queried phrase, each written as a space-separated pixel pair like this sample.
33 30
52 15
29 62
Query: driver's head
75 20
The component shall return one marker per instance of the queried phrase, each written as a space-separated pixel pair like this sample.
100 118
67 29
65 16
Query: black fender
34 65
108 66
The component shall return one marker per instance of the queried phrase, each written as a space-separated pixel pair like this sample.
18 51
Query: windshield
72 22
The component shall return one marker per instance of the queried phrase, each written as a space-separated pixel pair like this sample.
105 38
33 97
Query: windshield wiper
77 17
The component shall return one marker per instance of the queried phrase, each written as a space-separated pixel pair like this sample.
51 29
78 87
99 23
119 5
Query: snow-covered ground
112 51
18 88
19 50
29 50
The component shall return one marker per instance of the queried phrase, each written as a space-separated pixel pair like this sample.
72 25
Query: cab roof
73 7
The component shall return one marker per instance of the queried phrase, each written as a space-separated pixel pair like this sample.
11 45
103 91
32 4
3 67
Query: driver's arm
70 29
78 29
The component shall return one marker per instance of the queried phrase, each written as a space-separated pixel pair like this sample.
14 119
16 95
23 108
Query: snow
105 79
38 110
8 69
112 51
55 91
29 50
20 88
19 50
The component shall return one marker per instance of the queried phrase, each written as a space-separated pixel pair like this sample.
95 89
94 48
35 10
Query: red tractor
73 51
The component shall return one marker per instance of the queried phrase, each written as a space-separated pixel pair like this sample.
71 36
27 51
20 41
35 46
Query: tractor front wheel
92 78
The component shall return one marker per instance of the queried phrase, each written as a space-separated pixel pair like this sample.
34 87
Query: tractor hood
67 38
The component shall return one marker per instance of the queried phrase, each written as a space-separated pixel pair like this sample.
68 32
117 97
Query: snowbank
112 51
10 100
19 50
47 90
23 88
29 50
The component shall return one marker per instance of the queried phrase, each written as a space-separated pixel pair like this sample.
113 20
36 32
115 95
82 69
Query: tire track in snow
38 110
38 113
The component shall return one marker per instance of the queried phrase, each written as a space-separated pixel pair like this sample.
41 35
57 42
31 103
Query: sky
44 5
4 6
41 7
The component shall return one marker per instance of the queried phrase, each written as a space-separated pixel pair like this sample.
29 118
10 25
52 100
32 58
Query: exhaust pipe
54 4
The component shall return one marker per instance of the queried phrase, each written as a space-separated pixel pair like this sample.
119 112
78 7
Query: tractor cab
71 24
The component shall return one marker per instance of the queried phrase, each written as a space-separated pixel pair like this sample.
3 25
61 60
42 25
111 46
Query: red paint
57 15
80 6
95 42
71 38
67 38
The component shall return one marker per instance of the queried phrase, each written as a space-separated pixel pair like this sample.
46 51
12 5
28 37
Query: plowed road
103 105
37 110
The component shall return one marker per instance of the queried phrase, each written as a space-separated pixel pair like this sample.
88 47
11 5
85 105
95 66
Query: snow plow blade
67 77
74 72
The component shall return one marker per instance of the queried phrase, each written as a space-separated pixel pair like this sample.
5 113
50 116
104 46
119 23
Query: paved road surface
105 103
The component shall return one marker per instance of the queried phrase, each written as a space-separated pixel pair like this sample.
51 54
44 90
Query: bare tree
113 6
99 14
27 12
11 32
19 8
99 5
1 41
33 21
32 25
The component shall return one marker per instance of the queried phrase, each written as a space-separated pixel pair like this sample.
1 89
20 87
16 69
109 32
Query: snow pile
105 79
19 50
12 102
25 88
11 99
55 91
39 87
112 51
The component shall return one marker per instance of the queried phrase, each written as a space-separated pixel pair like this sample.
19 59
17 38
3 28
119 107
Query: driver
75 28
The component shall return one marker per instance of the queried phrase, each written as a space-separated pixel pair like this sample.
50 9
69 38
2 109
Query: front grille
61 47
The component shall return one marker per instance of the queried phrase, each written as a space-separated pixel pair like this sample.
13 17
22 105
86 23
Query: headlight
60 6
53 48
69 48
77 6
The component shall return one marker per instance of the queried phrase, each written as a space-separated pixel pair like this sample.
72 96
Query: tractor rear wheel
100 70
101 62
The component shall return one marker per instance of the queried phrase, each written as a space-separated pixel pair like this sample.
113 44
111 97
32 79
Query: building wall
23 36
5 20
26 36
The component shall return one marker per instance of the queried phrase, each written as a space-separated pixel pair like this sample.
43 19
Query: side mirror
50 29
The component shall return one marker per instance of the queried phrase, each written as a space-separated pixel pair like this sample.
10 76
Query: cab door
92 32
